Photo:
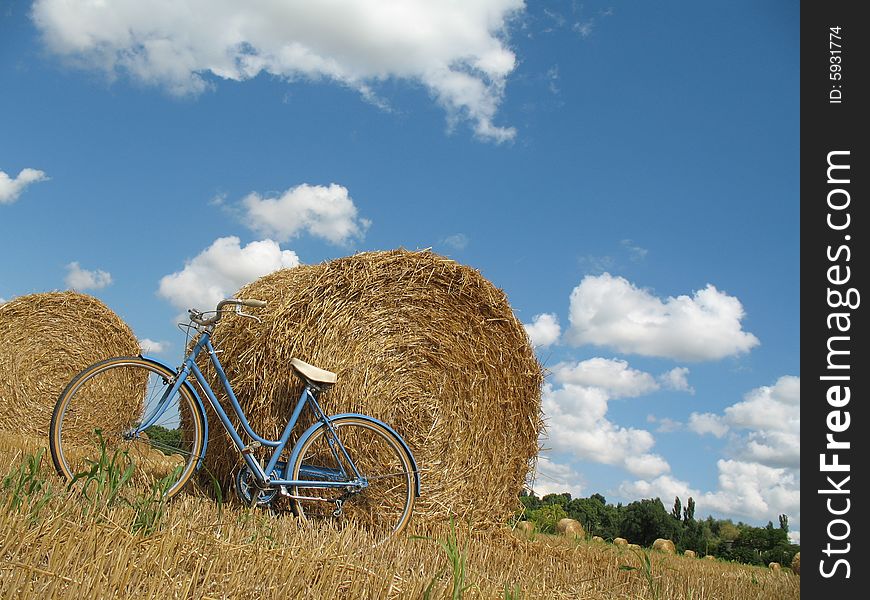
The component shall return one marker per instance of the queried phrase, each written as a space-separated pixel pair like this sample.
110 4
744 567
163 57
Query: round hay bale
775 567
634 546
796 563
419 341
663 545
689 554
597 538
570 528
620 542
526 527
709 557
45 340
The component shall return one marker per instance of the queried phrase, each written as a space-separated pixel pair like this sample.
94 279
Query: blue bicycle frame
271 475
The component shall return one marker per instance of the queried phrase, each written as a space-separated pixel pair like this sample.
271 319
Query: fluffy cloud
544 330
149 346
770 417
221 269
11 188
609 374
82 279
745 489
555 478
327 212
610 311
577 425
702 423
456 50
677 379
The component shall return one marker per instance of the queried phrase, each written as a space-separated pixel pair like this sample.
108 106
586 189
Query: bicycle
347 467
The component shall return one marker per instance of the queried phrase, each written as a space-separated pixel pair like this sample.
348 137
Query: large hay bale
663 545
425 344
570 528
796 563
620 542
45 339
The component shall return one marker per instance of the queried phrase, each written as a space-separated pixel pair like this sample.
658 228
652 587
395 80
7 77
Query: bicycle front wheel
383 505
96 432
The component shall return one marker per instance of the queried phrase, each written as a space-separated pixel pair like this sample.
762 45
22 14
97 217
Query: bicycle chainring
249 490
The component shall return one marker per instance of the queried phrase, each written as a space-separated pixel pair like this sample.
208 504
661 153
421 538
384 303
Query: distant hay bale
570 528
689 554
775 567
597 538
663 545
634 546
709 557
620 542
419 341
796 563
45 339
526 527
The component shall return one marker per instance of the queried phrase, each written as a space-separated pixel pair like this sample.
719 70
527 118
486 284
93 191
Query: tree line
643 521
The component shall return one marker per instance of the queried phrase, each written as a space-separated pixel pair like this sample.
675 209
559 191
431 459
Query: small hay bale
621 542
45 340
775 567
709 557
663 545
525 527
689 554
570 528
634 546
796 563
419 341
597 538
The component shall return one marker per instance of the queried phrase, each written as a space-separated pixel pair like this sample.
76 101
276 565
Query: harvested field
419 341
199 551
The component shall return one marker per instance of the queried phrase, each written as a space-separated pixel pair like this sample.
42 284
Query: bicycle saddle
312 373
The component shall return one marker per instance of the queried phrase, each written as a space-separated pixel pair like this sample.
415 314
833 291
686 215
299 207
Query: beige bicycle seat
312 373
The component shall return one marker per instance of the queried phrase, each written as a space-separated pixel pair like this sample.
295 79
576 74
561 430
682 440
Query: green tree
645 520
677 511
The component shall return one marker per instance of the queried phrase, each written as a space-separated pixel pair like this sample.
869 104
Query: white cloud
771 417
609 374
544 330
702 423
10 189
149 346
761 477
457 241
221 269
745 489
666 424
327 212
456 50
610 311
555 478
677 379
82 279
577 425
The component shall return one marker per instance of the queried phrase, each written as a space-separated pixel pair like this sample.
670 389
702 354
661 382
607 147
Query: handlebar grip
253 303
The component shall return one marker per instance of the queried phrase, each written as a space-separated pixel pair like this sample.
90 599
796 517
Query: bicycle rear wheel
384 505
97 420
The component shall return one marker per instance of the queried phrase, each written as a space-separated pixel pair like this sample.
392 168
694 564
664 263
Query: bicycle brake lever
244 314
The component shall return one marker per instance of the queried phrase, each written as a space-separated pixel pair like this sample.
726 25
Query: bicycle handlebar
197 317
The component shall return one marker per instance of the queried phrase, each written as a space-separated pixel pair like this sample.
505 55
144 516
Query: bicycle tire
383 508
95 415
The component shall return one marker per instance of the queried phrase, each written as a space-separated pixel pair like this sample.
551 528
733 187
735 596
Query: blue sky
629 170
